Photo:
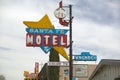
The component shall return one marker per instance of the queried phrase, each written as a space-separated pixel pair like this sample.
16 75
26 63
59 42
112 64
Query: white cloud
88 35
99 11
99 39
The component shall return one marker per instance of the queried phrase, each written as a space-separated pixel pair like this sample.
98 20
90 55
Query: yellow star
46 23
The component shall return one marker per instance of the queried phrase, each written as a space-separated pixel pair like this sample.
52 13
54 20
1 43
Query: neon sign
60 13
46 38
43 34
85 56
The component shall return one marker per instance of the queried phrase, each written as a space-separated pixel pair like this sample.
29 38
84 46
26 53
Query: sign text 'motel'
85 56
46 38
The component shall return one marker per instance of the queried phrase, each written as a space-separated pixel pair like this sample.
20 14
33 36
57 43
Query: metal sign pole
70 50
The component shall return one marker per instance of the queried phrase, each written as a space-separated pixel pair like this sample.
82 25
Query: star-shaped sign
45 23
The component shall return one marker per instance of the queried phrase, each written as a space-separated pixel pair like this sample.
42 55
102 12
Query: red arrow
63 22
60 4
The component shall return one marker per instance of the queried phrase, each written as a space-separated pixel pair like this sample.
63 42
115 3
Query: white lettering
62 41
55 39
38 39
46 39
29 39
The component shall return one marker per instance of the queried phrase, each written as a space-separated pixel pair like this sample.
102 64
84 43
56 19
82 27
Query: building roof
102 63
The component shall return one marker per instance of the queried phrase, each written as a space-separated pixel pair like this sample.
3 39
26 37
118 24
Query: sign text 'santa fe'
46 37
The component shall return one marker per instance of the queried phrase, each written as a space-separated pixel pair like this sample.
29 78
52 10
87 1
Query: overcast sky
96 29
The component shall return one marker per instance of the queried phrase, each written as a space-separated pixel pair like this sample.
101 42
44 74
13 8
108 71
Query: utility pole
70 49
60 14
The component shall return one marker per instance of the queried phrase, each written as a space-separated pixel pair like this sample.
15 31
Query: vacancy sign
43 34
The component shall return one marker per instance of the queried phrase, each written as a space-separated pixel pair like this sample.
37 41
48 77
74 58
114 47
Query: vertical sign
36 67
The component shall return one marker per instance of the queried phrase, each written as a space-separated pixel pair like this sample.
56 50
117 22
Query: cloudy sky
96 29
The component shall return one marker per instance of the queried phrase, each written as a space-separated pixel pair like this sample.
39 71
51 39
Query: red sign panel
46 40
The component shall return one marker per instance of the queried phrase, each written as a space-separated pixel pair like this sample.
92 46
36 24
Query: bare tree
2 77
